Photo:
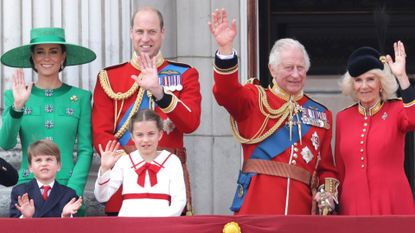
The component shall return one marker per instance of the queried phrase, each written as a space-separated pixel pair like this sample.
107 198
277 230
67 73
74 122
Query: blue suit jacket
59 196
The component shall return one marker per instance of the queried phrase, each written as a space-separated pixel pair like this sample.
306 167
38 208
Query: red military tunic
370 156
270 194
182 107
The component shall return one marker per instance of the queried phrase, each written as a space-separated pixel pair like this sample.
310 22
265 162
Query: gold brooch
74 98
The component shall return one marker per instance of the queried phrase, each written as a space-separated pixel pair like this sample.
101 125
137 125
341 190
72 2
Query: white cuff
226 57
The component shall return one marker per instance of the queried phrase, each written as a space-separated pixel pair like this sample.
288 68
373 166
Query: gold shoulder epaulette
280 113
179 63
115 66
106 86
311 98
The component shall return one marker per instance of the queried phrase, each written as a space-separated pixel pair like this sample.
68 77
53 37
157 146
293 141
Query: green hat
20 56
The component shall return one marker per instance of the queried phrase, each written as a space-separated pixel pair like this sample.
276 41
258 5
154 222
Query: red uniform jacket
370 157
269 194
183 109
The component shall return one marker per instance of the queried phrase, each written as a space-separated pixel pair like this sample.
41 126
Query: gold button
293 162
361 142
363 166
364 130
365 124
362 135
295 149
365 118
295 155
361 150
362 158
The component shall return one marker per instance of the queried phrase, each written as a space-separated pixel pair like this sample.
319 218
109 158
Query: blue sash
145 102
279 141
270 148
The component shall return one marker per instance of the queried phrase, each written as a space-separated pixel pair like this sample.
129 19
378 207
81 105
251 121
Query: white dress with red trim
153 188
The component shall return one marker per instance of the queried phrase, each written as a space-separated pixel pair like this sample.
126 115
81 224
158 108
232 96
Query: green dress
62 115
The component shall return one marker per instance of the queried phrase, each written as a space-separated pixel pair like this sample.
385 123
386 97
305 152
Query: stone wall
214 155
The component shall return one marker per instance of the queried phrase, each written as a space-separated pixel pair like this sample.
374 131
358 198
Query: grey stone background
214 156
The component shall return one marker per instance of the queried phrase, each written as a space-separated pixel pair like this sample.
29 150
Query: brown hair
160 16
32 48
145 115
43 147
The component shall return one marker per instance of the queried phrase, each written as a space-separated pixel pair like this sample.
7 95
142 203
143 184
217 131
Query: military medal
171 79
168 126
315 140
307 154
384 116
298 109
311 116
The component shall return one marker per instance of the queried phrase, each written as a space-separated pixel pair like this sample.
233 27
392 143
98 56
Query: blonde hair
387 80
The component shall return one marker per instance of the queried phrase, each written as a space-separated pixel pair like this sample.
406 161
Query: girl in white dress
153 183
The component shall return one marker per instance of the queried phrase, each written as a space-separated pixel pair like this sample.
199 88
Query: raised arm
14 102
223 33
398 67
109 177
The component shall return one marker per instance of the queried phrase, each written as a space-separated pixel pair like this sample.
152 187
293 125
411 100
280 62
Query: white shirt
170 181
41 186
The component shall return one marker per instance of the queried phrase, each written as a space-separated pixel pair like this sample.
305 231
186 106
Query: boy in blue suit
43 196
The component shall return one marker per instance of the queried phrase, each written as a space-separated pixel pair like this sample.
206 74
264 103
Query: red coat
370 156
185 115
269 194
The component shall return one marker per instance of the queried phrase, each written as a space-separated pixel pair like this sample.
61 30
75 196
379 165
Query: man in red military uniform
285 135
121 91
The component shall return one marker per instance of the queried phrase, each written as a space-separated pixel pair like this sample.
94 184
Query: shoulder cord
136 106
105 84
282 113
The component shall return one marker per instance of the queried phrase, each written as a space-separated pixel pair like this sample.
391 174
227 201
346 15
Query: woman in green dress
49 108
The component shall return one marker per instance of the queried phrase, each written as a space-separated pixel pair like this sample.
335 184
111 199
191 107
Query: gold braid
119 96
282 113
105 84
137 103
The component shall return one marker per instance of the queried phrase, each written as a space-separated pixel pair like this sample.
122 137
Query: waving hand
223 33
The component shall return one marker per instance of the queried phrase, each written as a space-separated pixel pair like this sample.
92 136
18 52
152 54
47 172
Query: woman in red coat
370 135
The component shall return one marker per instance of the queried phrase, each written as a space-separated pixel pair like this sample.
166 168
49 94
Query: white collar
40 184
